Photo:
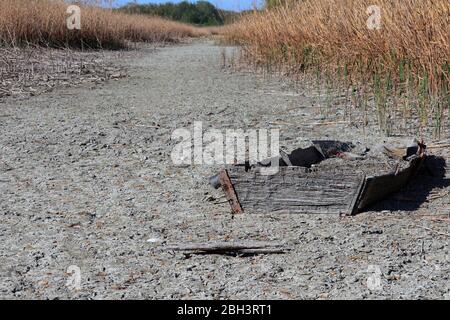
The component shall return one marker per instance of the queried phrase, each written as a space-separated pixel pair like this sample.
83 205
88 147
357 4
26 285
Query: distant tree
201 12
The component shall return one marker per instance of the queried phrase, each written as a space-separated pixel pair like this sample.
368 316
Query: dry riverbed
86 180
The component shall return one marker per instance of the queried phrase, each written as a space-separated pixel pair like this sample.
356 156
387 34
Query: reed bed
401 66
44 22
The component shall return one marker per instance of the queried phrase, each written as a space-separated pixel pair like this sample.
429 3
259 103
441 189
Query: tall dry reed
407 57
43 22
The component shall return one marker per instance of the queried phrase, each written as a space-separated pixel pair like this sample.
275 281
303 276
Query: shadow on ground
431 176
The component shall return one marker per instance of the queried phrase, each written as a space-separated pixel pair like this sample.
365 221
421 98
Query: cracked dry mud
86 179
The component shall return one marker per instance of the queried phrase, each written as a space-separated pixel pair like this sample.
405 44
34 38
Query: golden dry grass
335 31
43 22
410 52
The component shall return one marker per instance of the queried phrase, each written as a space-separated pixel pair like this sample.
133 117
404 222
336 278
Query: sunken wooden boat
327 177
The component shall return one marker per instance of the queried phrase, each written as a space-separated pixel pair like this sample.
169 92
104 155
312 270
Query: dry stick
439 146
280 123
438 232
436 219
260 251
221 202
308 124
325 123
245 247
438 196
146 126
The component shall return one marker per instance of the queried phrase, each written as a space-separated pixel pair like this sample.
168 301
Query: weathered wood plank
379 187
237 247
229 191
297 190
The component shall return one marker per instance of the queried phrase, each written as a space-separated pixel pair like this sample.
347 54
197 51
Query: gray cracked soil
86 179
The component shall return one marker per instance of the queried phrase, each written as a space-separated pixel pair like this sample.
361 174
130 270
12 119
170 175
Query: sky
236 5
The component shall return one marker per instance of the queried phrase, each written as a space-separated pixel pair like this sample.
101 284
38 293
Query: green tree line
200 13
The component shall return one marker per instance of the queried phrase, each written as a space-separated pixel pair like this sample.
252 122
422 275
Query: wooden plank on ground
297 190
